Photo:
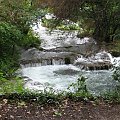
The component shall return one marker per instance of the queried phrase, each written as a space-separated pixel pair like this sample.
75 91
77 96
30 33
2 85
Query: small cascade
116 61
60 62
33 57
58 47
99 61
58 38
45 62
53 61
30 65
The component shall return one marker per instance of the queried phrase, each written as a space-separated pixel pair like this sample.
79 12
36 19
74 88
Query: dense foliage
97 18
100 17
15 32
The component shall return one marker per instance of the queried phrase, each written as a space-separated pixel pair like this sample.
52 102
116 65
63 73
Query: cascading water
99 61
47 68
57 38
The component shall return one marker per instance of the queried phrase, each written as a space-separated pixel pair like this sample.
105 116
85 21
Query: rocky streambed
62 59
57 69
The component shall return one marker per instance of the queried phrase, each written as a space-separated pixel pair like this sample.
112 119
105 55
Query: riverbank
67 110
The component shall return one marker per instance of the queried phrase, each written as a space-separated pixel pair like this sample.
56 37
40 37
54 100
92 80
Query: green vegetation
80 90
113 96
13 90
11 86
39 97
55 23
114 48
99 19
48 96
15 33
116 74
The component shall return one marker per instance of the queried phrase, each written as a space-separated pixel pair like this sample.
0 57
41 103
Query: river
64 59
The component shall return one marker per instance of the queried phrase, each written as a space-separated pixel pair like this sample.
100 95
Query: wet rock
102 56
66 72
91 65
60 55
26 79
47 58
37 83
83 49
100 61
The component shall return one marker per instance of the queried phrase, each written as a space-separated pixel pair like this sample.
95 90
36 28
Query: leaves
116 74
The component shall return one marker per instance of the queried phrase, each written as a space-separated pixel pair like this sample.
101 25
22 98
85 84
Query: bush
80 90
10 39
113 96
10 86
55 23
10 42
48 96
116 73
38 97
31 40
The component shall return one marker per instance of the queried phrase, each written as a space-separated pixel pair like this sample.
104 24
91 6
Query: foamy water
59 77
57 38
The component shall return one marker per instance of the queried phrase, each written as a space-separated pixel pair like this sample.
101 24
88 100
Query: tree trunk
102 31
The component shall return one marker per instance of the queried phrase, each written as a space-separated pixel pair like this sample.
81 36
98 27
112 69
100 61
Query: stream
64 59
59 77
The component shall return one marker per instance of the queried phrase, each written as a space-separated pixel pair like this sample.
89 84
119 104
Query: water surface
59 77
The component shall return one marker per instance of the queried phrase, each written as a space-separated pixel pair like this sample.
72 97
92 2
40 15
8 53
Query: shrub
10 86
116 73
113 96
80 90
31 40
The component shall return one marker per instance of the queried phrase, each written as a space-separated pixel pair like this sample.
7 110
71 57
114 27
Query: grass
11 86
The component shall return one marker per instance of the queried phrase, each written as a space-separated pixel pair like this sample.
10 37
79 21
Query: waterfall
44 62
57 38
100 61
58 62
62 60
114 60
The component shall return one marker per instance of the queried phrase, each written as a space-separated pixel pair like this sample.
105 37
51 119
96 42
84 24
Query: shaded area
68 110
67 60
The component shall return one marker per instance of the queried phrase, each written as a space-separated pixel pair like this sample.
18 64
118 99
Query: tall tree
105 15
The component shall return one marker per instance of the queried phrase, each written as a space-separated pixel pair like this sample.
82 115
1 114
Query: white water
57 38
101 57
59 77
116 61
51 74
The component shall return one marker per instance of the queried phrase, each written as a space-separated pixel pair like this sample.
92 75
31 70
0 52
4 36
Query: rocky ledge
100 61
